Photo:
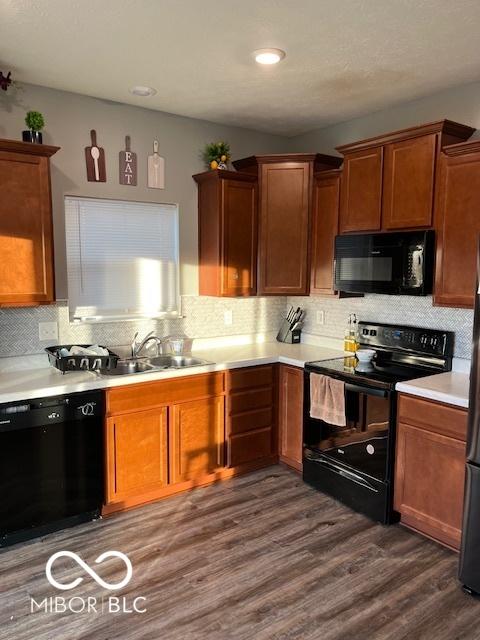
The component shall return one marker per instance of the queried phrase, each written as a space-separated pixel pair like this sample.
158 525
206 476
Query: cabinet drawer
250 446
251 420
147 395
433 416
255 399
250 377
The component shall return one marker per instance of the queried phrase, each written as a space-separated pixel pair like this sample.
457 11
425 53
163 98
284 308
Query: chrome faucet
138 346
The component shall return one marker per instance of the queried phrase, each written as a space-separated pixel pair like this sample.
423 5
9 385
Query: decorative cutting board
156 169
127 162
95 160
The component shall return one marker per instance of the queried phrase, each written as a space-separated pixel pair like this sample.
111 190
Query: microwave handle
355 388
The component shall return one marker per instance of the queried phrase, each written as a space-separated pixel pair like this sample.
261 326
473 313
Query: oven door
363 443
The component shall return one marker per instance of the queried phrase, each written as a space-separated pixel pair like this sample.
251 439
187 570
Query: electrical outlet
320 317
48 331
228 317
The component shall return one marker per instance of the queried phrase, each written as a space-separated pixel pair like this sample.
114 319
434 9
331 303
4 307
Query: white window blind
122 259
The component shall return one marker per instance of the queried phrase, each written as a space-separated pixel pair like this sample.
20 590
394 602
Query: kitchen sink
125 367
176 362
145 365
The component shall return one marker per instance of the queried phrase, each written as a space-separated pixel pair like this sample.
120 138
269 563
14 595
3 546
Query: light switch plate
320 317
228 317
48 331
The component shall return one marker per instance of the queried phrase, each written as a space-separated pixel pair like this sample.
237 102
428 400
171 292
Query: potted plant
216 155
35 123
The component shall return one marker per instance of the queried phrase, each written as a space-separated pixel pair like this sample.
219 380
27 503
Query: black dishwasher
51 464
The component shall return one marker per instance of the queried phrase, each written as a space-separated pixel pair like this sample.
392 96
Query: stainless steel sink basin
126 367
145 365
176 362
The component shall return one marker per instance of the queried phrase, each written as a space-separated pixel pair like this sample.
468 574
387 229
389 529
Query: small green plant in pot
35 123
216 155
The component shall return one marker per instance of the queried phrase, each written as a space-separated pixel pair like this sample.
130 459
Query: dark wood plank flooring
258 557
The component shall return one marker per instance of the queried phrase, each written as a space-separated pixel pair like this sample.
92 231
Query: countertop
41 382
450 388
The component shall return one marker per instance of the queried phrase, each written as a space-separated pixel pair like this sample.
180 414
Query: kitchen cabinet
26 238
136 453
325 212
430 468
291 416
361 208
163 436
227 233
285 197
196 438
388 181
457 223
251 424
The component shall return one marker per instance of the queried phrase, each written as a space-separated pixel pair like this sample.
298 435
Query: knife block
285 334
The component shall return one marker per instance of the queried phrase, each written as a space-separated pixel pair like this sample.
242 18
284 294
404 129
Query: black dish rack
80 363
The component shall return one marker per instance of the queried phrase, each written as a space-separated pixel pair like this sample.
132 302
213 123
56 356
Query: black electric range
355 462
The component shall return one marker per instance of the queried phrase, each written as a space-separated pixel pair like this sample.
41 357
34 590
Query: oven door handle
350 475
381 393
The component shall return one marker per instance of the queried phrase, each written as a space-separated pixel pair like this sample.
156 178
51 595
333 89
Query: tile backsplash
203 318
407 310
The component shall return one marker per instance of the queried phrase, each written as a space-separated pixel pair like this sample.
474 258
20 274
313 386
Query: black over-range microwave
399 263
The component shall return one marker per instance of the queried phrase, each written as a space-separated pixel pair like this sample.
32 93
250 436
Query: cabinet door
326 201
408 180
291 415
239 275
196 438
26 267
284 219
429 483
457 219
361 199
136 454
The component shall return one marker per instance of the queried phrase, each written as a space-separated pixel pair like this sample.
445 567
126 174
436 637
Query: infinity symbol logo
90 571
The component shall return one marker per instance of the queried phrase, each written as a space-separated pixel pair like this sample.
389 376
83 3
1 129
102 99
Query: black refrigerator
469 572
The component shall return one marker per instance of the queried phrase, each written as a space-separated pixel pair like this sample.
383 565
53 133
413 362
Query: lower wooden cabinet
251 425
137 458
168 436
150 449
430 468
196 438
291 416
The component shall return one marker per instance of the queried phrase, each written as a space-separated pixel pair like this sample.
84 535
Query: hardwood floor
258 557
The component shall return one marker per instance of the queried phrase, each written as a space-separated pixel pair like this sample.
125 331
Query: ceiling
345 58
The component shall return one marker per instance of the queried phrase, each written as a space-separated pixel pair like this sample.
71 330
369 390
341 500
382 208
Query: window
122 259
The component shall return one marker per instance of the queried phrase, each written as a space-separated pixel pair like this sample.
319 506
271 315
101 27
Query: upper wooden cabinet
227 233
325 212
361 208
285 186
26 240
388 181
457 221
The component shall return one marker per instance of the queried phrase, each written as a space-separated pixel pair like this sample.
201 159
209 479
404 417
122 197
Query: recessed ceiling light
269 56
144 92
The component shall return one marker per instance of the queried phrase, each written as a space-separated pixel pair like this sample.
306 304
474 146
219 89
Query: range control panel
418 339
